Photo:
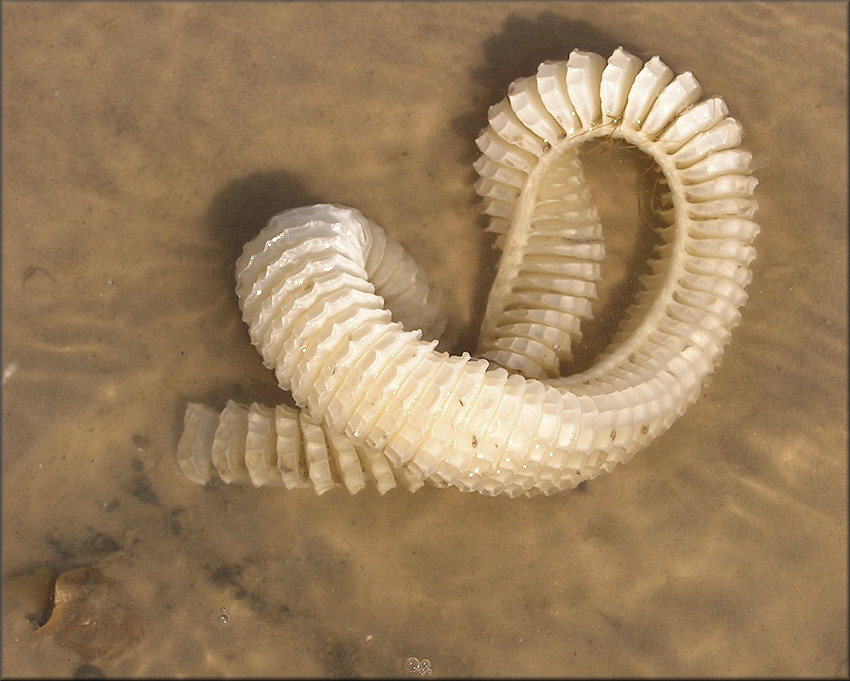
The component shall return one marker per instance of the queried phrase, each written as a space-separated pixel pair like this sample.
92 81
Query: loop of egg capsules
312 308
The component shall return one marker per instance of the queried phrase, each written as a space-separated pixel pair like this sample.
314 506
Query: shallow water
143 144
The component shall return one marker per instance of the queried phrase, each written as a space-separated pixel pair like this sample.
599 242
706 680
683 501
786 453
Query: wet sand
143 144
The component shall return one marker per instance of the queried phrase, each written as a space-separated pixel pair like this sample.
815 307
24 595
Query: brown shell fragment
91 615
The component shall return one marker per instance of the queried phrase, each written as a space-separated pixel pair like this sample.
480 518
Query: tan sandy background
144 143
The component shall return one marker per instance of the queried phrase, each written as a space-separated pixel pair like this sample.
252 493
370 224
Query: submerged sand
144 143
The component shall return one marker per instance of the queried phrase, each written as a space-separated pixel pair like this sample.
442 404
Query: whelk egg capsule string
335 307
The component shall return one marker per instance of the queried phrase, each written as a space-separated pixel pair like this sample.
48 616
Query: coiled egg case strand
335 307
